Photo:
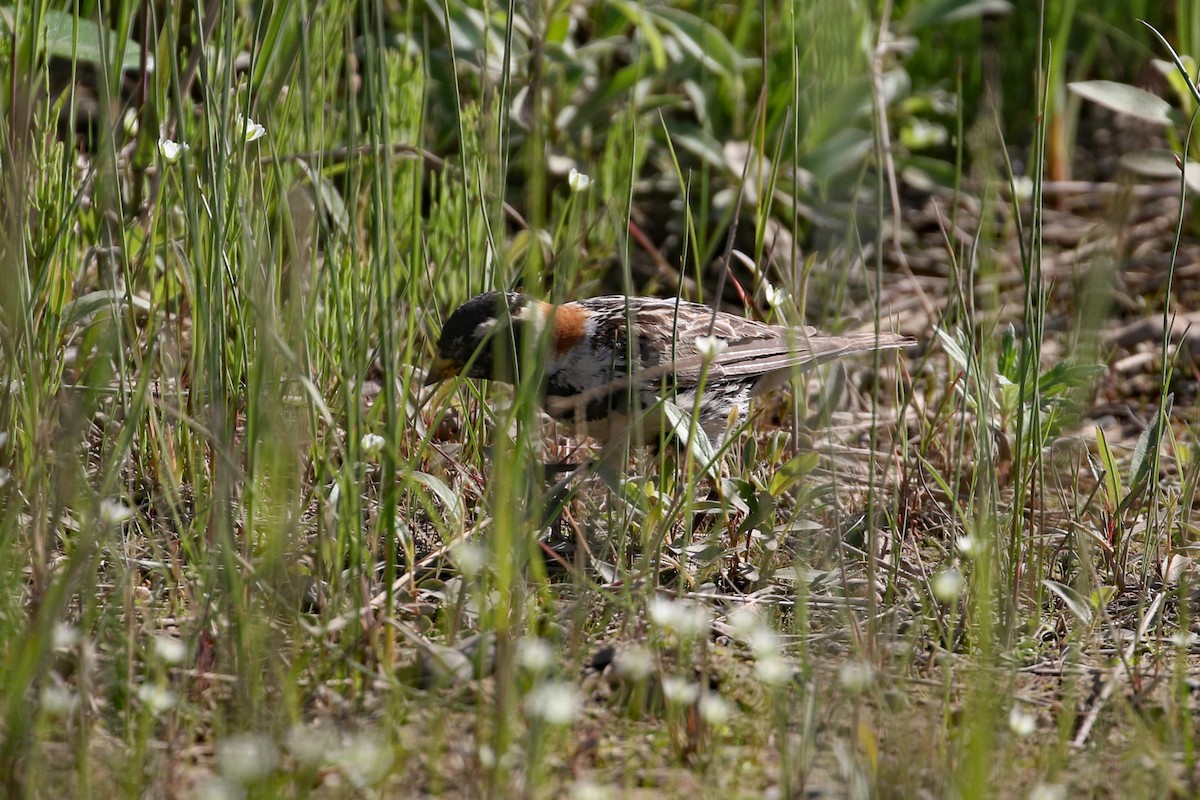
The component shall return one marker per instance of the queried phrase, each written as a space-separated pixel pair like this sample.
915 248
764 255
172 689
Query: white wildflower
553 702
114 512
310 745
171 150
947 584
246 757
714 709
157 698
856 676
250 130
1020 722
372 444
130 123
58 701
586 790
679 692
680 617
578 181
534 655
967 545
469 557
709 347
215 787
64 636
169 649
1184 639
365 760
772 670
775 296
634 662
1048 791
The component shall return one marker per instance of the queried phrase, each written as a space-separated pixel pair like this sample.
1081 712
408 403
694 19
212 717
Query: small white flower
682 618
169 649
744 620
365 760
469 557
114 512
679 692
714 709
372 444
171 150
553 702
775 296
216 787
634 662
310 745
1184 639
156 698
764 643
1020 722
772 670
64 636
967 545
249 129
578 181
130 123
586 790
1022 186
246 757
856 676
58 701
947 584
1048 791
709 347
534 655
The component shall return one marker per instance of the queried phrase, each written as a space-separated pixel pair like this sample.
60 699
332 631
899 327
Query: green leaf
87 306
1112 477
1063 377
792 472
1147 445
1161 163
703 41
692 436
956 353
1125 99
450 501
941 12
1074 601
90 46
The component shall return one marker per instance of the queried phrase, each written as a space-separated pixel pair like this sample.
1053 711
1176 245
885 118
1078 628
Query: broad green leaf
1075 602
842 152
450 501
94 45
1112 477
941 12
1125 99
82 308
692 437
1063 377
1161 163
953 350
1147 445
702 40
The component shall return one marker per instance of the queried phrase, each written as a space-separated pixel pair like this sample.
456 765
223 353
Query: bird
609 361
